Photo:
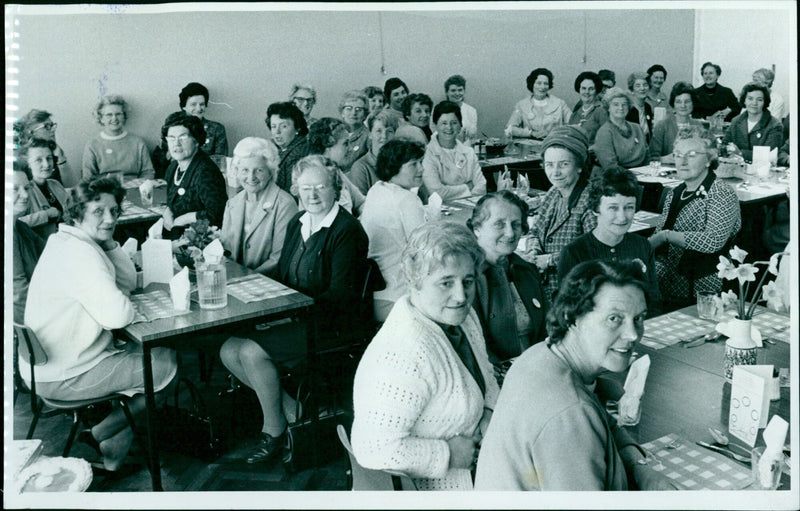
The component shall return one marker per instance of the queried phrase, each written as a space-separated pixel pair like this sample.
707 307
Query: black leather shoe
269 448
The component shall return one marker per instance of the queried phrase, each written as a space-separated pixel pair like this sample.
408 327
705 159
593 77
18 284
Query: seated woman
353 109
656 76
700 218
619 143
424 390
681 99
563 439
451 167
195 186
417 112
39 124
590 114
612 200
328 137
193 100
640 112
777 106
375 100
534 116
392 211
395 90
381 129
28 245
324 256
454 89
509 300
755 125
564 213
47 197
289 129
304 97
255 219
79 293
712 100
114 149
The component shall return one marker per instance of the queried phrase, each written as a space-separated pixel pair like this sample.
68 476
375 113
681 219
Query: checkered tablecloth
672 328
693 467
255 287
154 305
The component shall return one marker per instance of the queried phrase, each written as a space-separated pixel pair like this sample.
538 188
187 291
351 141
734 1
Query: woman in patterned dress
700 218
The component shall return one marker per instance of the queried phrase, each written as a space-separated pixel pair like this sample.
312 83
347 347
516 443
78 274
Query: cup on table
767 477
655 167
708 305
146 193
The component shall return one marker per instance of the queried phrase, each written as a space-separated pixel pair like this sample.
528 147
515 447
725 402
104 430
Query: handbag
299 454
188 431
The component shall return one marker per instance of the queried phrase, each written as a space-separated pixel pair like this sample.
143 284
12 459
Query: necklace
687 197
181 173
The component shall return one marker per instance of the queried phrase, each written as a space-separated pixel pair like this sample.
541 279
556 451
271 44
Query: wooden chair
365 479
27 345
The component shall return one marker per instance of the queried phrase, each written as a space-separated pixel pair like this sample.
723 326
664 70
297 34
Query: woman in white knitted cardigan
422 400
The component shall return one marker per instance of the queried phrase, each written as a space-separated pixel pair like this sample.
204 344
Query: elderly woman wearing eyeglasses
39 124
700 218
304 97
353 109
114 149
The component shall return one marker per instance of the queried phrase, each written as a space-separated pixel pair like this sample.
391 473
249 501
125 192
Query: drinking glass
211 280
707 305
769 476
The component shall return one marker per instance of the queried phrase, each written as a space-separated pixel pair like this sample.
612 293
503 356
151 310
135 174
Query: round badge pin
181 191
109 151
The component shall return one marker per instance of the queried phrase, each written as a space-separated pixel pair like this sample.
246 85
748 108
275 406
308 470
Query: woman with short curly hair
114 149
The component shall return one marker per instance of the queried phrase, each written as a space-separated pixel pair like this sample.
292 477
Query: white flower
725 269
746 273
774 297
773 263
737 254
729 298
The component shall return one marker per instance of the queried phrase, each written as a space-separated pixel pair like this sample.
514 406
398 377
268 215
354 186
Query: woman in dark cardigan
766 130
195 186
509 298
324 256
289 133
612 199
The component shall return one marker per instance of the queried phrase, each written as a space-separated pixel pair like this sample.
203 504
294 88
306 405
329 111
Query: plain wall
768 38
250 59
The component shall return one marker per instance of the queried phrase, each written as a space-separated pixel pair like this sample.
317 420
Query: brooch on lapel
536 303
758 135
636 140
701 192
181 191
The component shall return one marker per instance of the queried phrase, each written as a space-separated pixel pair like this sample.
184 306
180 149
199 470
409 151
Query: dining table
687 393
519 156
177 329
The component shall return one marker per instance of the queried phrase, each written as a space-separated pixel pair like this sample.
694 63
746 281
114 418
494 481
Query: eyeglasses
46 126
356 109
303 100
690 154
180 138
315 188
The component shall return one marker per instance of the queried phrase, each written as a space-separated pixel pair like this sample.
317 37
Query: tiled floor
180 472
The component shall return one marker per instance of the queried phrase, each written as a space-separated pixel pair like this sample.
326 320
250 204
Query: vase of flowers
194 239
743 337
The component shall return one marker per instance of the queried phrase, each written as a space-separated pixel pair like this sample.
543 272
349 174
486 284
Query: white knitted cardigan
412 393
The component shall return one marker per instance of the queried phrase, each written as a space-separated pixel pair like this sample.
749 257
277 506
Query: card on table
156 261
749 406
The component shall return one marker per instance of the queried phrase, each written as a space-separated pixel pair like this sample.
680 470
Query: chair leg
37 412
76 421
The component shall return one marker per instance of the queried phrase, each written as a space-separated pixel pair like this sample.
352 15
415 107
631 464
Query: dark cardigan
203 186
768 131
525 278
338 274
710 101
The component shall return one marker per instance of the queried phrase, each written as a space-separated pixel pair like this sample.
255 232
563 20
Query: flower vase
742 345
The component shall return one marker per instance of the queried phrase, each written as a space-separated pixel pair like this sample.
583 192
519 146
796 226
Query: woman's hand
169 219
52 212
463 451
186 219
109 245
658 239
543 261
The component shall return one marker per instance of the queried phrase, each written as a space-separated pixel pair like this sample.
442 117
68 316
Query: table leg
153 461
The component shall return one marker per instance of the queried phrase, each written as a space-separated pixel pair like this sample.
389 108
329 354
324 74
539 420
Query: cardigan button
549 239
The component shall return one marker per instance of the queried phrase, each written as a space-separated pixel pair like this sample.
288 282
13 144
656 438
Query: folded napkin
130 247
504 181
523 183
774 437
213 252
180 290
155 230
631 401
433 211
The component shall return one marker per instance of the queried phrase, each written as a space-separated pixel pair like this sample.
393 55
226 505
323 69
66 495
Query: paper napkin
130 247
155 230
180 290
213 252
631 401
433 211
156 261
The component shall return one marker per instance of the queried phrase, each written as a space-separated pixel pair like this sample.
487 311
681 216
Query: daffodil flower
773 296
746 273
737 254
725 269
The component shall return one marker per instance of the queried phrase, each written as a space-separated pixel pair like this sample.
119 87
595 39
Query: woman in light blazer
255 220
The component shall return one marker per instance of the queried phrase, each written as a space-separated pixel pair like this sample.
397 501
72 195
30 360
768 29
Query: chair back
365 479
29 348
373 281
